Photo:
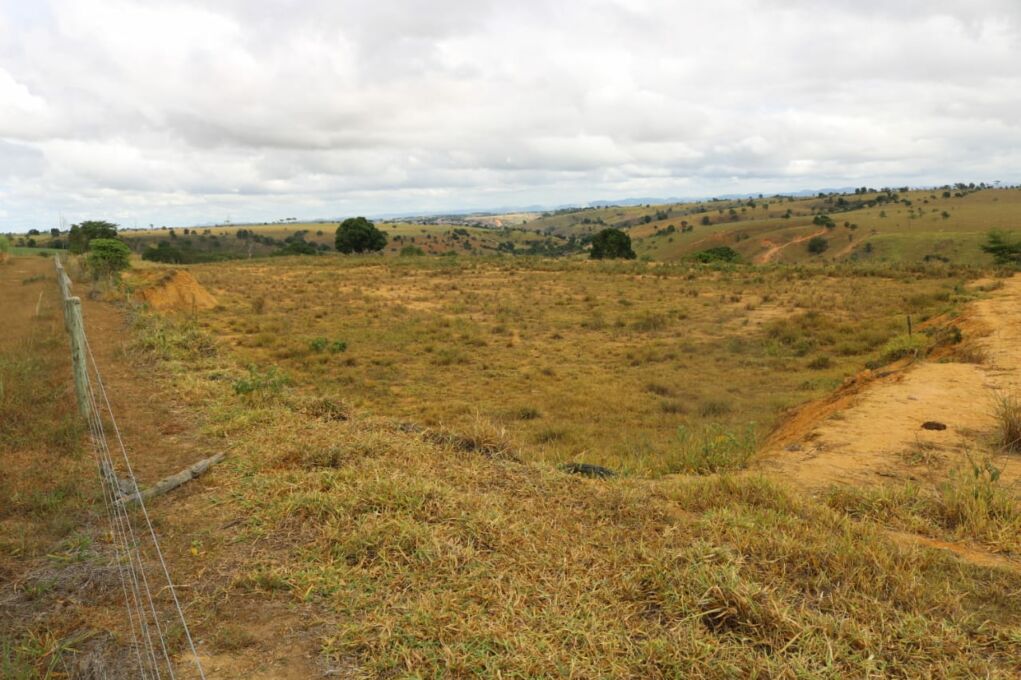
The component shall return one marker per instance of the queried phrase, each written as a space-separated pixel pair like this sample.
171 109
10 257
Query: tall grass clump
970 505
712 448
1007 410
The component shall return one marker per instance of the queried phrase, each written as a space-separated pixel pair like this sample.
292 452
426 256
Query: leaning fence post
73 314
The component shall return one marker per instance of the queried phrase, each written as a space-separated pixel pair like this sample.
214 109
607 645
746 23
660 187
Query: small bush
671 407
820 363
659 389
904 346
268 383
527 413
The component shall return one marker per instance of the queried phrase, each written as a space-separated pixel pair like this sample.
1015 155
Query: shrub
1004 250
817 245
107 256
717 254
359 235
611 244
266 383
903 346
411 251
820 363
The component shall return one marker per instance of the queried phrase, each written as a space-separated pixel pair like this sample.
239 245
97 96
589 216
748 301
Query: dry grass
434 554
1008 422
45 494
615 358
970 505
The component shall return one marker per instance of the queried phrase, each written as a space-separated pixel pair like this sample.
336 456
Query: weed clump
1008 422
712 448
261 384
904 346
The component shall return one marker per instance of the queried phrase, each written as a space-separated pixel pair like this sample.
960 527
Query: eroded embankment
871 430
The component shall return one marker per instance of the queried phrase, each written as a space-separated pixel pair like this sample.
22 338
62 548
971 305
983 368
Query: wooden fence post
76 329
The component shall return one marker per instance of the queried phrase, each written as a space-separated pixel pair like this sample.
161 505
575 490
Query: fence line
149 630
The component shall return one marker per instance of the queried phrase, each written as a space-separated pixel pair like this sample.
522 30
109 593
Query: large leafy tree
359 235
81 234
612 243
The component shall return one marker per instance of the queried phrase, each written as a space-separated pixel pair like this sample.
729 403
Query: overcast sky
185 112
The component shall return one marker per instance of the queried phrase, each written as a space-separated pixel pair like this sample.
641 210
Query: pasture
646 369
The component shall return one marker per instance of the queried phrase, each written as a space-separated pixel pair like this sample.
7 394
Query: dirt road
876 435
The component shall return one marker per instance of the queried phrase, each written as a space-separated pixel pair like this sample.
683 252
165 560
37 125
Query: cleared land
363 526
646 369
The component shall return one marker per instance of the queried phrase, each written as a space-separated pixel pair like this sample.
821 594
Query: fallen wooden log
173 481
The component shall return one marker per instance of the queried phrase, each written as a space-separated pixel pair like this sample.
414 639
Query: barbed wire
149 634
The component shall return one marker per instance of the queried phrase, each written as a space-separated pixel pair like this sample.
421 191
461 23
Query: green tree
163 252
107 256
81 234
612 243
1002 248
817 245
5 247
359 235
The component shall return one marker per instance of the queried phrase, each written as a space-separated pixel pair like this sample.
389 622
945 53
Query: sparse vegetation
402 463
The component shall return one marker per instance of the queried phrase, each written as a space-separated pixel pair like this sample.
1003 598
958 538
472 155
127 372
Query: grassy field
388 507
456 551
643 368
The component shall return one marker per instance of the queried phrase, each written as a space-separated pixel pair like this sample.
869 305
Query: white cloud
172 112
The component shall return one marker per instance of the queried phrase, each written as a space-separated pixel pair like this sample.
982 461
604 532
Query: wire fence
154 616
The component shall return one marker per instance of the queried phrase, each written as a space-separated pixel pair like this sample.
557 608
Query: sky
149 112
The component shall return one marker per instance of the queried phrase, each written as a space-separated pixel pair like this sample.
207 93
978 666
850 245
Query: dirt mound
174 290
